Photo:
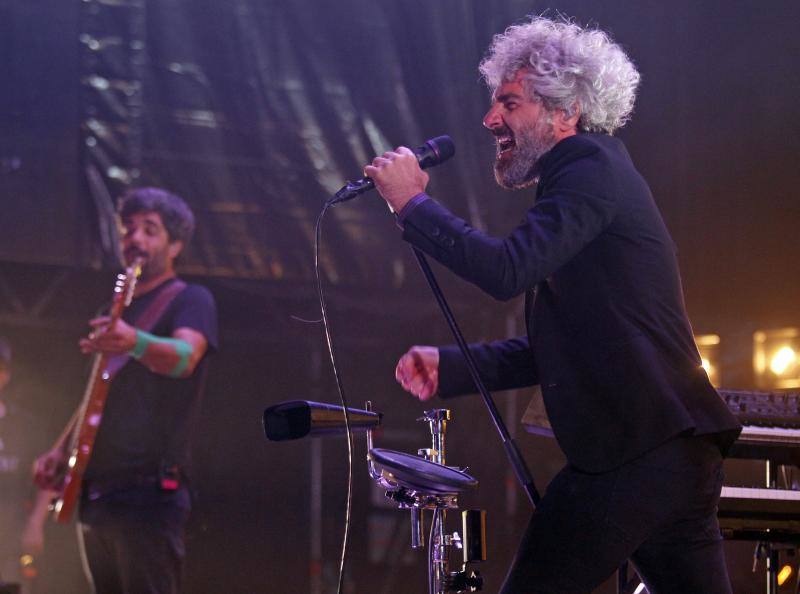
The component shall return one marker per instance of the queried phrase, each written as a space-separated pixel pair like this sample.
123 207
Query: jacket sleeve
502 365
576 203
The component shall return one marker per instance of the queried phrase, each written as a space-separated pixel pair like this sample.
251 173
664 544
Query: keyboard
748 513
764 409
771 425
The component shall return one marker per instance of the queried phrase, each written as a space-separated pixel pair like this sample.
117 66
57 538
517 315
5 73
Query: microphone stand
521 470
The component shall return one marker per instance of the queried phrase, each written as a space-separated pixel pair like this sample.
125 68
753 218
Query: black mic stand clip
350 190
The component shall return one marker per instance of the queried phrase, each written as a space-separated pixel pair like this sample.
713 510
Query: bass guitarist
134 497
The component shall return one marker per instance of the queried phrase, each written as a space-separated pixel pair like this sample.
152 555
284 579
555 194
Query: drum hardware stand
426 483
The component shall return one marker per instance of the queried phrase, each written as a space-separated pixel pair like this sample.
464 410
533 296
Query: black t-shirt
148 417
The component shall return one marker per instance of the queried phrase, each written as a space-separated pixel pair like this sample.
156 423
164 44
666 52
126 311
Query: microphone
298 418
433 152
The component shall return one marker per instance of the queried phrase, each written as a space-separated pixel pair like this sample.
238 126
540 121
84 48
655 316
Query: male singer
608 338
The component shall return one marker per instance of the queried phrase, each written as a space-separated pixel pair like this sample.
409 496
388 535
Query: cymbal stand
440 579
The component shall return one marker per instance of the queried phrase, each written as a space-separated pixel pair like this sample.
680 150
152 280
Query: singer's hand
397 177
418 371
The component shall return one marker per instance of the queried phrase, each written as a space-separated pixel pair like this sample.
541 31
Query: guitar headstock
124 287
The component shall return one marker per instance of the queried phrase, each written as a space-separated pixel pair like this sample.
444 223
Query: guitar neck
90 411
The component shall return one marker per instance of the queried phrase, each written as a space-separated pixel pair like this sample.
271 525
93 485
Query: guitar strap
147 320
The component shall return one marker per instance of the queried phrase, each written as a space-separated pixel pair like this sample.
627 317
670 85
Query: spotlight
784 574
783 358
776 358
708 345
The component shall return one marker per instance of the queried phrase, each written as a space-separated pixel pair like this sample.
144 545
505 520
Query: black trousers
133 543
659 511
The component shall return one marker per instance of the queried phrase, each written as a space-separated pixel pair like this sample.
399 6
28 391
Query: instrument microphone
298 418
433 152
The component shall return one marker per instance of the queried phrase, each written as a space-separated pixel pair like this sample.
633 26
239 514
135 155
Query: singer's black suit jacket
608 337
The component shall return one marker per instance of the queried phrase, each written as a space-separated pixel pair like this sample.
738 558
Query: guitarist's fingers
99 325
99 322
86 345
109 341
46 467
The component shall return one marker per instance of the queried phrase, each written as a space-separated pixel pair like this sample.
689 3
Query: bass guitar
90 412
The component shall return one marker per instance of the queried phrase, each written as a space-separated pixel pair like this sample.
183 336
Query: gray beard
522 169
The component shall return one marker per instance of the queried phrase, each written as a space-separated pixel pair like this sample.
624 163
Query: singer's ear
175 248
566 120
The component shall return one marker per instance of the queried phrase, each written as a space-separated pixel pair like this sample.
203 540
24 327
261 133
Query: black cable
342 398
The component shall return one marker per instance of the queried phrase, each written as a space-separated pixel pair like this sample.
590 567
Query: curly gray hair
566 65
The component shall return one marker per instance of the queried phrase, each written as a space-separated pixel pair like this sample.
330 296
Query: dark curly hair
176 215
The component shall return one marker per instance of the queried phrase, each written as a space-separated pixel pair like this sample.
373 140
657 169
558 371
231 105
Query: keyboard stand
772 554
767 550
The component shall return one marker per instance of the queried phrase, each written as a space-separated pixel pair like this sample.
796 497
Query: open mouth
131 255
504 143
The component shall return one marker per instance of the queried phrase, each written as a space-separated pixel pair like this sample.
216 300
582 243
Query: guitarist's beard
154 265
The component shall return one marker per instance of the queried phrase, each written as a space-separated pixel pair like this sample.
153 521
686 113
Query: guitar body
93 404
82 449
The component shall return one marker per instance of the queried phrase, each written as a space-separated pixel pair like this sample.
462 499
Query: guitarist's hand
49 470
116 338
32 538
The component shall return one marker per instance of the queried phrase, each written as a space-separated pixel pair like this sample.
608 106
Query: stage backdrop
256 111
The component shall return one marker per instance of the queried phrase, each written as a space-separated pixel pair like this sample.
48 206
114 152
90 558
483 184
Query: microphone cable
433 152
342 396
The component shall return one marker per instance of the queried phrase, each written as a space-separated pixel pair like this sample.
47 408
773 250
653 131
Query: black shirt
148 417
608 337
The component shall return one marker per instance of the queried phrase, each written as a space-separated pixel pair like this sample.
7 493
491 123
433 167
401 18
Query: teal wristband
142 340
182 348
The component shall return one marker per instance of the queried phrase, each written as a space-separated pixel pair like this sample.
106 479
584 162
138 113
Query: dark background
256 111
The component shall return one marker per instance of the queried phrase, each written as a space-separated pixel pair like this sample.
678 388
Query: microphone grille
443 146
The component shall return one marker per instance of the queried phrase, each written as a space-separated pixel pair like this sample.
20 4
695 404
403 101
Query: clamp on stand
424 482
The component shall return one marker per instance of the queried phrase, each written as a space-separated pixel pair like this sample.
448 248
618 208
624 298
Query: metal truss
113 62
30 296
